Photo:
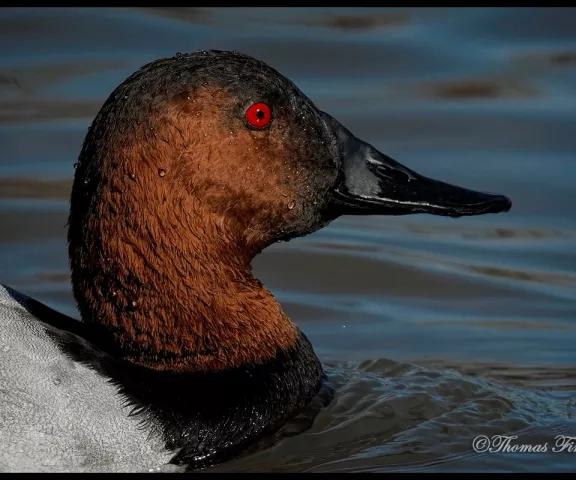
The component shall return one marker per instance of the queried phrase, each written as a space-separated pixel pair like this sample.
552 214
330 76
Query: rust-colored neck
166 292
162 278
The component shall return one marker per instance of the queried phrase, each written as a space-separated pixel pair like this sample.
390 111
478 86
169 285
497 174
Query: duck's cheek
308 204
303 218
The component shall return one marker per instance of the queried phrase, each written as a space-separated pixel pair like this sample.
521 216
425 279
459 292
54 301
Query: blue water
434 330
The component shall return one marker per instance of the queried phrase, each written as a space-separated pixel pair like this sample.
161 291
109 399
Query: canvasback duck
183 359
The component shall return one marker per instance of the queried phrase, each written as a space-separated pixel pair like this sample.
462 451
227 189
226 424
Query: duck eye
258 115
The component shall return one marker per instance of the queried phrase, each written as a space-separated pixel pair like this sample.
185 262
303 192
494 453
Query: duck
182 358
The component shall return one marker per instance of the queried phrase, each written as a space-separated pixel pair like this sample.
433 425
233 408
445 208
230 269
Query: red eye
259 115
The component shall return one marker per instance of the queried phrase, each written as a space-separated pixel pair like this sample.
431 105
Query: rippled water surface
433 330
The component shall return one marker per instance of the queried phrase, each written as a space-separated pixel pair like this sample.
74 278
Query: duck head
193 165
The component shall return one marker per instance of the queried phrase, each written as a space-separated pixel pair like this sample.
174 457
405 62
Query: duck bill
372 183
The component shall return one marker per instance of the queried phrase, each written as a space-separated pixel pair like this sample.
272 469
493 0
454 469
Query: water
433 330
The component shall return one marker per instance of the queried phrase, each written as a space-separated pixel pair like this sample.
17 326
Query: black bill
373 184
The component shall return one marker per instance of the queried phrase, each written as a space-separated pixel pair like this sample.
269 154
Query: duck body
182 358
135 418
58 413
